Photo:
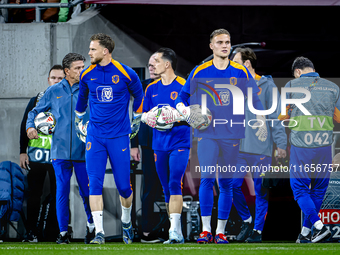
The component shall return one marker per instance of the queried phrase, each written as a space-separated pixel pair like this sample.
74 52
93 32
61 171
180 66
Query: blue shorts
170 167
118 151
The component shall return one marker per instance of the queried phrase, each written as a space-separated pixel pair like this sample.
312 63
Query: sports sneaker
221 239
167 242
255 237
321 234
304 239
32 238
63 239
151 238
175 238
205 237
127 233
98 239
245 232
89 235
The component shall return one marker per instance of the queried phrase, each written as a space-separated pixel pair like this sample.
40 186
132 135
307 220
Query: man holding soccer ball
67 151
171 142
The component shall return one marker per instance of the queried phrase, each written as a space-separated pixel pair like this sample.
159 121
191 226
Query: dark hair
247 54
169 55
70 58
301 63
217 32
55 67
104 40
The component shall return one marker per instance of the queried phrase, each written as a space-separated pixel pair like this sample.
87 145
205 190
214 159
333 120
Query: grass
13 248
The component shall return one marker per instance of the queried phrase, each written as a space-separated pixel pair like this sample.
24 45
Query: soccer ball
197 120
45 123
160 123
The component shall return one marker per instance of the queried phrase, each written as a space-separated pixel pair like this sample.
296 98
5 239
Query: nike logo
124 149
59 97
263 158
200 138
92 79
154 95
201 235
209 81
181 150
235 144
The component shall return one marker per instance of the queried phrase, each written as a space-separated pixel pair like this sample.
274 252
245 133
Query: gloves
150 117
80 127
137 117
82 131
262 133
171 115
183 110
78 119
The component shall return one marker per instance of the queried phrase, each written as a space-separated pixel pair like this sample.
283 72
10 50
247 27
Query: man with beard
108 84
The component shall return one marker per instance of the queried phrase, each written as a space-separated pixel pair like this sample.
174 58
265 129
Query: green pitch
159 249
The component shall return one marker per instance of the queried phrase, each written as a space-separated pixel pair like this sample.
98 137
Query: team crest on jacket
174 95
115 79
233 81
225 97
104 94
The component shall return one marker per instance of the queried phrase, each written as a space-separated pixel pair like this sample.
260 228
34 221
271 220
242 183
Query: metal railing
40 6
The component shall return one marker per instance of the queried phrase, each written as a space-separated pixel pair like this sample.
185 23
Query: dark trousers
36 178
151 191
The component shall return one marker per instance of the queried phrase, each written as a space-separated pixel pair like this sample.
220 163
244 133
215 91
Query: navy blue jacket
11 190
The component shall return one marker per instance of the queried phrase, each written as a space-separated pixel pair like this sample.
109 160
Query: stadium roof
224 2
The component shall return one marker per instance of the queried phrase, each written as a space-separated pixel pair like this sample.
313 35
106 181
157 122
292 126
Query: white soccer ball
45 123
160 123
197 119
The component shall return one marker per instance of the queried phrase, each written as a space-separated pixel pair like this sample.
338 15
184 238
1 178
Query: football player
171 144
205 82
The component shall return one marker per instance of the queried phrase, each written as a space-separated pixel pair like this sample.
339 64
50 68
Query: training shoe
304 239
321 234
151 238
98 239
89 235
127 233
63 239
205 237
255 237
245 232
31 238
167 242
221 239
175 238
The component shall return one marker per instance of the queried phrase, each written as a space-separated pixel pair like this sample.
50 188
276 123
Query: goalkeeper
205 80
108 84
256 152
171 145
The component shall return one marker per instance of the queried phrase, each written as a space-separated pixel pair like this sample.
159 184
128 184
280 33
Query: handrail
39 6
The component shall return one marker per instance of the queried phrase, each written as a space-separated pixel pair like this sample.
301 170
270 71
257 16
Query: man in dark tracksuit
36 155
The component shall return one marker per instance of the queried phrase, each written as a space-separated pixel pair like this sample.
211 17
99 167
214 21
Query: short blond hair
220 31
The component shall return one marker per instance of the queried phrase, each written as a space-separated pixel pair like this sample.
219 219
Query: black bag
47 225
